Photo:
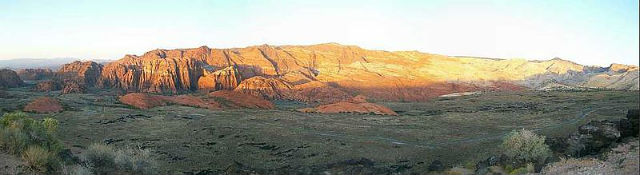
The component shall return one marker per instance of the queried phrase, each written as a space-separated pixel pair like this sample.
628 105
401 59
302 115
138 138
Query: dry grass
39 159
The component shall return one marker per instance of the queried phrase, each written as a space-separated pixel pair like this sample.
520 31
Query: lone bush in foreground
104 159
525 146
100 157
39 159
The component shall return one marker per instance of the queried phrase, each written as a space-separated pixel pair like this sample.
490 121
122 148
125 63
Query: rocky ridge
329 73
275 72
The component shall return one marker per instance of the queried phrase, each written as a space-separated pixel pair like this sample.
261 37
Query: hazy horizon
589 32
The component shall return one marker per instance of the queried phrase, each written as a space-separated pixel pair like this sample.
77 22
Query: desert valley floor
455 130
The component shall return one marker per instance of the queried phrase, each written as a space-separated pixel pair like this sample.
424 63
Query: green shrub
34 141
39 159
13 140
136 160
525 146
76 170
523 170
19 131
9 118
105 159
101 157
50 124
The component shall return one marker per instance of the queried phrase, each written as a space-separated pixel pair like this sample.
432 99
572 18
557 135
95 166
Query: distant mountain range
47 63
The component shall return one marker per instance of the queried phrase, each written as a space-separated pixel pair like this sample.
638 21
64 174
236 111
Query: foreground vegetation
35 141
457 132
42 152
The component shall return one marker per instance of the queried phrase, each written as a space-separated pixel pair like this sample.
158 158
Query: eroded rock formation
9 79
147 101
234 99
142 100
275 72
270 88
188 100
87 72
72 86
224 79
44 105
317 92
357 104
158 71
48 85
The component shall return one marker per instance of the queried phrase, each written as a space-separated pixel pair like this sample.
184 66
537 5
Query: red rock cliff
87 72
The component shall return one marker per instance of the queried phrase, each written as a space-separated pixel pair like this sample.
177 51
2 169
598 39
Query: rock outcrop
622 68
316 92
48 85
630 127
233 99
147 101
357 104
188 100
595 136
86 73
313 92
270 88
9 79
224 79
157 71
142 100
72 86
43 105
36 74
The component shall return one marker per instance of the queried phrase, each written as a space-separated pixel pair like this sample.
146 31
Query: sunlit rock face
87 72
224 79
298 72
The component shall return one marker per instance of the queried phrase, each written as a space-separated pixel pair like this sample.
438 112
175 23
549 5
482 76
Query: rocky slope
43 105
298 72
231 99
357 104
147 101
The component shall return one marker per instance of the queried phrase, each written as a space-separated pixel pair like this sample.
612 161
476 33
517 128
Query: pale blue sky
588 32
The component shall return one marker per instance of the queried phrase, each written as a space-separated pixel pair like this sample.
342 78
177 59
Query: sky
584 31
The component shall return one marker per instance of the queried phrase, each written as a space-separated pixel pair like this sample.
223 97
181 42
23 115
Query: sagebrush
525 146
105 159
